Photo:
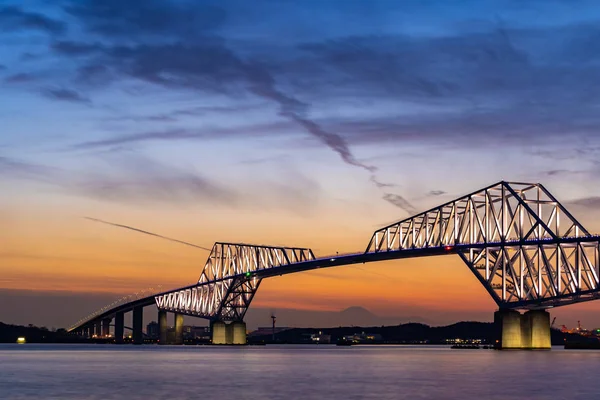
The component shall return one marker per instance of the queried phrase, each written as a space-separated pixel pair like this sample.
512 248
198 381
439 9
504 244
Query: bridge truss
520 242
229 280
524 246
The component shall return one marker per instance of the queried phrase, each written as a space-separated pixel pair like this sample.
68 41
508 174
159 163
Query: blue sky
372 84
338 116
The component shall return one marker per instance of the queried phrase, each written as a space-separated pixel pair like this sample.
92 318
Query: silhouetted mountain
351 316
410 333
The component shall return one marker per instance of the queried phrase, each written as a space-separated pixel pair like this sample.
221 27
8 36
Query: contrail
147 233
195 245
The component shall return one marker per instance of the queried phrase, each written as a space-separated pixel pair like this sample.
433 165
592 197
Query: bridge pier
162 327
232 333
138 320
238 332
98 329
527 331
218 333
106 327
178 328
86 332
119 327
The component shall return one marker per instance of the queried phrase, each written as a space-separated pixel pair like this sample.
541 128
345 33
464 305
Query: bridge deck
355 258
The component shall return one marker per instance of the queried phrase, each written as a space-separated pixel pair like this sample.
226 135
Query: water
293 372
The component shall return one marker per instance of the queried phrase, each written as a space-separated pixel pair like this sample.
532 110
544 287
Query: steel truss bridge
521 243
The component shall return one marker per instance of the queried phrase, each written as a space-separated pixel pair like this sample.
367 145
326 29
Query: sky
298 123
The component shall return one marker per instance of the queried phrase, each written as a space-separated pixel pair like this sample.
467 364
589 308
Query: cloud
20 78
130 178
138 19
208 65
437 193
588 202
65 95
14 18
399 202
125 178
467 87
182 134
14 168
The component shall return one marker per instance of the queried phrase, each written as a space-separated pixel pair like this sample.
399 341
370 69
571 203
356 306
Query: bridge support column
218 332
539 321
138 320
162 327
238 332
98 329
522 331
119 327
106 327
86 332
178 328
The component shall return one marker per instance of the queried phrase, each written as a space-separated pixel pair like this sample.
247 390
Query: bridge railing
122 300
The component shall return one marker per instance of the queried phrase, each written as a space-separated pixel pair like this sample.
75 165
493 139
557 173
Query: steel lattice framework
229 281
524 247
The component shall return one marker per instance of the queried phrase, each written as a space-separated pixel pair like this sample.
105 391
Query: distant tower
273 318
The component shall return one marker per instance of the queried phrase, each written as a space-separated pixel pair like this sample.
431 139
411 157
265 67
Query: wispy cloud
208 64
19 169
14 18
66 95
467 86
436 193
588 202
20 78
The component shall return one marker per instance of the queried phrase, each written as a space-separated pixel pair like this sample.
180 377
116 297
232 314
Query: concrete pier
218 332
238 332
119 327
539 321
522 331
232 333
138 320
98 329
178 328
162 327
106 328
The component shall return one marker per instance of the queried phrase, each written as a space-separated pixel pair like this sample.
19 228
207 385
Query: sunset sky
300 123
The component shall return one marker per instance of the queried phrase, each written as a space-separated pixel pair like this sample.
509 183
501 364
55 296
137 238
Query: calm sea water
294 372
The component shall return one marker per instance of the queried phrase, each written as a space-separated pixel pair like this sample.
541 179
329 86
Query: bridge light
447 248
248 274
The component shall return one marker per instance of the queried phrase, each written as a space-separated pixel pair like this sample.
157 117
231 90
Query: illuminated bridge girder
228 281
523 246
518 240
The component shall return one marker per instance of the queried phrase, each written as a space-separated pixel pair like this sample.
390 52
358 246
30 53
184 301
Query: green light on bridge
248 274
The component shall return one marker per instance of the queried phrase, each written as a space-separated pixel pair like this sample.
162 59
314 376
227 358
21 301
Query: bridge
519 241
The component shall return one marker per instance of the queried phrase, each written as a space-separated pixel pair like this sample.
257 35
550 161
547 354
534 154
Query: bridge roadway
339 260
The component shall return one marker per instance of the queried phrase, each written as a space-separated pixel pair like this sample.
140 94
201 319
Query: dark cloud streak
66 95
13 18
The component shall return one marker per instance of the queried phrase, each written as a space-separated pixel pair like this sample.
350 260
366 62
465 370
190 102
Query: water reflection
293 372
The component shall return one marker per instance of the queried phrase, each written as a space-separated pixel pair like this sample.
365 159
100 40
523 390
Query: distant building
196 332
364 338
152 330
464 341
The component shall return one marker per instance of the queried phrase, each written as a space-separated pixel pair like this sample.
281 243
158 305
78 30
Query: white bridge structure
521 243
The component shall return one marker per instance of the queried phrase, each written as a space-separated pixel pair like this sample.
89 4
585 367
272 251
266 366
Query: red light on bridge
447 248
